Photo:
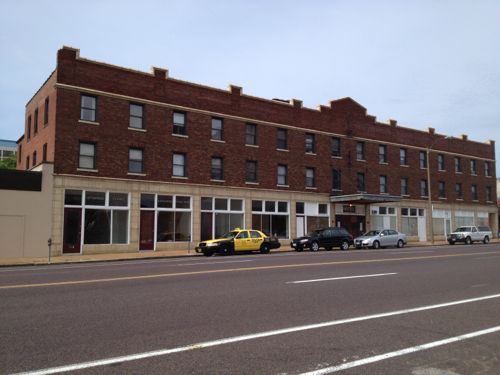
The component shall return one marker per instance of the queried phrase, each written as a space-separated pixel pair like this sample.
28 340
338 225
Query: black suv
326 237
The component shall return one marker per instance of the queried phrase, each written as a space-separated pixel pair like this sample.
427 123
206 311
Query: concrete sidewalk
84 258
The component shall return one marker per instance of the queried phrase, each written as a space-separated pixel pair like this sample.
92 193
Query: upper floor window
441 162
336 179
44 152
423 188
310 143
360 151
442 189
251 134
404 186
473 166
88 108
282 139
46 113
403 156
251 171
310 177
383 184
217 129
487 169
360 181
27 162
87 155
217 172
34 158
19 153
458 165
458 191
35 122
179 165
136 116
28 128
473 190
423 159
336 147
135 160
488 194
179 120
282 174
382 153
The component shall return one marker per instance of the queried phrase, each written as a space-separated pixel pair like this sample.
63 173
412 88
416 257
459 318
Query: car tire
264 249
376 245
486 239
400 244
344 245
227 250
314 246
468 241
208 253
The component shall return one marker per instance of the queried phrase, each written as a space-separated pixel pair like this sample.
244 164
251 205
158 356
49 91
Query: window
34 158
441 162
314 215
404 186
282 174
310 177
217 129
135 160
179 121
336 147
35 122
336 179
488 193
173 216
88 108
473 167
487 169
310 143
179 165
273 219
251 171
220 215
217 169
87 155
27 162
44 152
458 191
282 139
473 190
458 165
383 184
28 128
136 116
441 189
360 181
46 113
19 154
403 156
382 154
251 134
360 151
423 188
409 220
423 159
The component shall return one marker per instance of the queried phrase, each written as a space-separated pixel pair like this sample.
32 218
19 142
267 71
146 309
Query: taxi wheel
227 250
264 249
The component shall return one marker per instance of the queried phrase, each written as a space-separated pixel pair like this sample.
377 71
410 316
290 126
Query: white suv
470 234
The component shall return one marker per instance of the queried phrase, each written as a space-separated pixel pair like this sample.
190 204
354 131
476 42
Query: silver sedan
380 238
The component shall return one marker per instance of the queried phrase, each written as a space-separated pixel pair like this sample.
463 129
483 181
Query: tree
8 163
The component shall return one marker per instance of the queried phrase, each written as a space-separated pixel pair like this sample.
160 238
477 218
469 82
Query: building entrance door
72 231
355 224
147 240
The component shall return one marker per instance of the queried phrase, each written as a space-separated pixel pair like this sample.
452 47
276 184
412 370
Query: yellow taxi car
238 240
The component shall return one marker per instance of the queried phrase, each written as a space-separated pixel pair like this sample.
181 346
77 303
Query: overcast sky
424 63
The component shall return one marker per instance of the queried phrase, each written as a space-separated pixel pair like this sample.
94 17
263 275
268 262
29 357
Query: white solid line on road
412 252
259 335
341 278
397 353
214 263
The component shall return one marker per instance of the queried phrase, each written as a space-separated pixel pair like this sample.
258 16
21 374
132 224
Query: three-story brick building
143 161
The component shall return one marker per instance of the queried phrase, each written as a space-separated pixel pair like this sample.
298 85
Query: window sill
475 200
384 193
424 196
336 157
216 180
282 149
137 129
337 190
87 170
311 188
217 141
283 186
383 163
311 153
254 146
442 198
441 170
251 183
473 174
404 165
460 199
361 160
405 195
180 177
88 122
136 174
458 172
179 135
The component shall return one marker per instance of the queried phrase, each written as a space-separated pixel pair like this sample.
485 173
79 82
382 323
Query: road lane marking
214 263
397 353
341 278
256 268
412 252
253 336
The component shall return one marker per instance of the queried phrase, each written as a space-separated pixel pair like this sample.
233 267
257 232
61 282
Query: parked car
469 234
326 237
380 238
238 240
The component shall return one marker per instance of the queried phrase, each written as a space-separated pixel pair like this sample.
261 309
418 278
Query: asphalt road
419 311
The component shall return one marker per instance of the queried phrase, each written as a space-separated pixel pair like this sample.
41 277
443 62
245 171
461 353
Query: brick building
145 161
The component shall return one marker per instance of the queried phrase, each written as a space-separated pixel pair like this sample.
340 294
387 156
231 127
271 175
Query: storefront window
220 215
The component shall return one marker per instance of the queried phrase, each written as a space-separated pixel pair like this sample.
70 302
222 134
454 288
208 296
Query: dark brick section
20 180
344 117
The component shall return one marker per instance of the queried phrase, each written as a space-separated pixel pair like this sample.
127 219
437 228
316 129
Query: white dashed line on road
341 278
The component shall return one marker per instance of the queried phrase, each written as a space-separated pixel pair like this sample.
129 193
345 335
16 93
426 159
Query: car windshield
230 234
462 229
372 233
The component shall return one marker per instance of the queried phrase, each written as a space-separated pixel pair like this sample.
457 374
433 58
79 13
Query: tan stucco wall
25 219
